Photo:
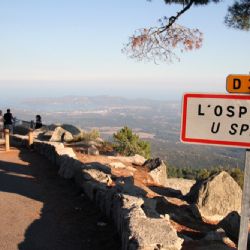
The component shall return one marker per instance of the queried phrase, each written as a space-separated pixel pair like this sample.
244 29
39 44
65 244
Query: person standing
38 122
8 121
1 124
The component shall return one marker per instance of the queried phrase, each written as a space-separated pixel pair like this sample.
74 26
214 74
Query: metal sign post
241 84
245 205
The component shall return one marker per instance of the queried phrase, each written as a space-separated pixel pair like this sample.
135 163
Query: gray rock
157 170
136 159
184 185
117 164
92 150
99 140
153 234
216 196
96 175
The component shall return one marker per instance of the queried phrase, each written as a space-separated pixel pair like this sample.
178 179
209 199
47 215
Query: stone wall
134 216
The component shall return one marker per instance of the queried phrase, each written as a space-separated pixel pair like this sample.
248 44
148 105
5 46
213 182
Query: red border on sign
207 141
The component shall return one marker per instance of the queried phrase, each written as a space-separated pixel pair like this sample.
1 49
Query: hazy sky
61 47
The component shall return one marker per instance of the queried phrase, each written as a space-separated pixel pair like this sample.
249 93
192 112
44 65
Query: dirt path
40 211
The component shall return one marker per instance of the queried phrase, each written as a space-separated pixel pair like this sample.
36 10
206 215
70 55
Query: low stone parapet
139 226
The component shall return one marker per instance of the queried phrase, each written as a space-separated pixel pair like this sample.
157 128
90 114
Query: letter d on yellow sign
238 84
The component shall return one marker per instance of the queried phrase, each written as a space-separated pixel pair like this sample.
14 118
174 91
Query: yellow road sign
238 84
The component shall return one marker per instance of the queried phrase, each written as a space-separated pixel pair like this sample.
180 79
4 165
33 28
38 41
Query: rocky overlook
150 210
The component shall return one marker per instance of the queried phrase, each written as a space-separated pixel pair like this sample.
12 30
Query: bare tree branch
159 43
173 19
151 45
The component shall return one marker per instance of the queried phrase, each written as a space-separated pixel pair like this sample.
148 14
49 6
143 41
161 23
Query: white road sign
216 119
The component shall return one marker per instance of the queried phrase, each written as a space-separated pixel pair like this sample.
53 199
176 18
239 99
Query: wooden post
7 139
245 205
31 137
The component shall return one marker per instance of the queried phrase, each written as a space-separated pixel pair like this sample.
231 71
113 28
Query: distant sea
12 93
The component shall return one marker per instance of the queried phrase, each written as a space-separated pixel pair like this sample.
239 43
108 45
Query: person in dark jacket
38 122
1 124
8 121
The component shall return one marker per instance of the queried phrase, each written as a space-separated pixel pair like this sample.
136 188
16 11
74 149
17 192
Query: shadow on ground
68 220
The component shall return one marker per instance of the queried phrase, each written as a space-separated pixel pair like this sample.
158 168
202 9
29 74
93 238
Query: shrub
203 173
91 136
127 143
238 176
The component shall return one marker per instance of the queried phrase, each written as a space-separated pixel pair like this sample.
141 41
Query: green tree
203 173
127 143
238 15
159 43
238 175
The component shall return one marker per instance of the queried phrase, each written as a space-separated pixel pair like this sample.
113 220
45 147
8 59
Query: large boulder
157 170
75 131
216 196
61 134
55 131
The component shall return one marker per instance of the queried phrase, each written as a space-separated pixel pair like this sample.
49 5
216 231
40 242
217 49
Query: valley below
155 121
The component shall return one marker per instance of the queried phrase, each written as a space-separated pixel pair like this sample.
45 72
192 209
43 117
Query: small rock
157 170
92 150
117 165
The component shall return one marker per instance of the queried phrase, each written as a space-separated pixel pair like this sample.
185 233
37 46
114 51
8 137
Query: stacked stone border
134 217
